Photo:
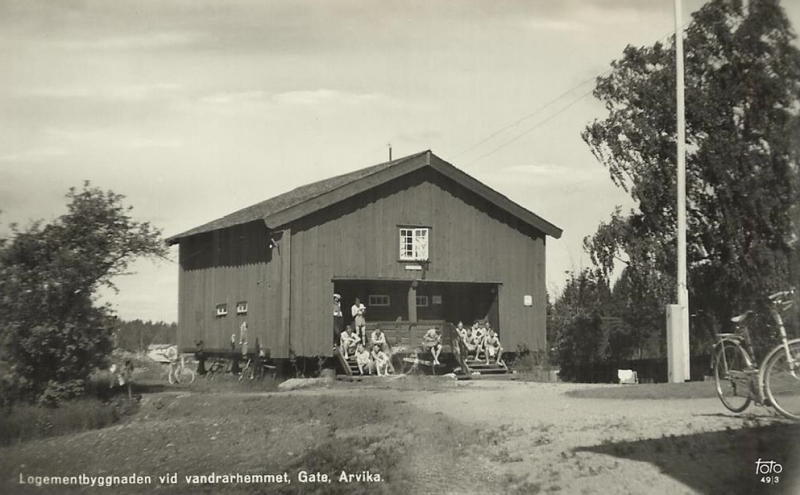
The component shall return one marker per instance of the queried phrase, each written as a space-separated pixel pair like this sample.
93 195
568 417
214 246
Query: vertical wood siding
288 289
226 267
471 240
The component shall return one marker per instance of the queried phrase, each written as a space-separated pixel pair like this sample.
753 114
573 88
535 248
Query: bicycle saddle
741 317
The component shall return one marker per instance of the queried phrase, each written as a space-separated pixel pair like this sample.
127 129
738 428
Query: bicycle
776 383
180 374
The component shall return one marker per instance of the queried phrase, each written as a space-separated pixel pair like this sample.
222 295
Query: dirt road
549 439
431 436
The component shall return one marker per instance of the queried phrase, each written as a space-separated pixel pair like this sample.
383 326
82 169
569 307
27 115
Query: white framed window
422 301
241 307
222 309
378 300
414 243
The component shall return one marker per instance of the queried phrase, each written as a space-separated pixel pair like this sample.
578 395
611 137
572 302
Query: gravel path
560 443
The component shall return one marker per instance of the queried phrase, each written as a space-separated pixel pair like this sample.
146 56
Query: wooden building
419 241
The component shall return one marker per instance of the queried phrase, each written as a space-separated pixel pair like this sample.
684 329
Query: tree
742 100
53 331
577 320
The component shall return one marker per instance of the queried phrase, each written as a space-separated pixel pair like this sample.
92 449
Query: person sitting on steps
433 341
349 342
381 361
363 360
493 348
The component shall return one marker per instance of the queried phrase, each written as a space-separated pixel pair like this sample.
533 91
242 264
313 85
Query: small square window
422 301
436 300
378 300
241 307
222 309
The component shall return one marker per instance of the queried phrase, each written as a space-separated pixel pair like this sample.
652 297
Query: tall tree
54 332
742 101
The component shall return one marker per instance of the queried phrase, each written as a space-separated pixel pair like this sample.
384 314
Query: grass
412 450
651 391
28 422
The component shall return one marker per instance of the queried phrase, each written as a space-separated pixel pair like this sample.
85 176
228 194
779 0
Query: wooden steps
480 366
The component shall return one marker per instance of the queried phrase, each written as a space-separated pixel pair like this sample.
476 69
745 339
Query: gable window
378 300
422 301
414 243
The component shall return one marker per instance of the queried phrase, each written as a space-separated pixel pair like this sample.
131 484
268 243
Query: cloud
328 96
34 155
549 175
108 139
304 98
558 25
124 92
227 98
145 41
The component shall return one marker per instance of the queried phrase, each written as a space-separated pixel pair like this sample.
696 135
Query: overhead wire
542 108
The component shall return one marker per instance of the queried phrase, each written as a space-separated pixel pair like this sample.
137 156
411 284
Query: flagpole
678 315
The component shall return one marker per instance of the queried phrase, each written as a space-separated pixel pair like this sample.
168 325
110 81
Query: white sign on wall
527 300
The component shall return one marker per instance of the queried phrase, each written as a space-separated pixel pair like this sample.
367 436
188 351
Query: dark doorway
388 301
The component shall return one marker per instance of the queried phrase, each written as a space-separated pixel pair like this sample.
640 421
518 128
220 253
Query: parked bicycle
178 372
776 383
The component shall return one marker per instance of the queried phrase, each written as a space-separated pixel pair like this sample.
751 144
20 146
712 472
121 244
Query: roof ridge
244 213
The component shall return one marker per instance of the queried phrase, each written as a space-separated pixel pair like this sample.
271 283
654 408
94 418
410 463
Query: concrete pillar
677 343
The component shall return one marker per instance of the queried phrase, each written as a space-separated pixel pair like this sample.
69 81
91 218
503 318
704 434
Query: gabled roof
307 199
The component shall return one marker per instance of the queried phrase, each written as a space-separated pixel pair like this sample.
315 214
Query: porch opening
406 309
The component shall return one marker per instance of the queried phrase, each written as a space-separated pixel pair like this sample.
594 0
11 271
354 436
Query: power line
518 136
530 115
545 106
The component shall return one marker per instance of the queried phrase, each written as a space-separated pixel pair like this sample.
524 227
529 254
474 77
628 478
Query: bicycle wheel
184 375
733 385
782 380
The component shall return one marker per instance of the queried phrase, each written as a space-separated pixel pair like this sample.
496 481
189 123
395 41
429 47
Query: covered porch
406 309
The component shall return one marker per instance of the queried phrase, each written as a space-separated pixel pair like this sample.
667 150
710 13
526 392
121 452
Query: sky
193 109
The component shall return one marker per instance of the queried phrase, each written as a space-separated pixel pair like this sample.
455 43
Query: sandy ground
471 437
544 440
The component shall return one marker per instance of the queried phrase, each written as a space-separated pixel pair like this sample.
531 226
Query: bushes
524 359
581 342
28 422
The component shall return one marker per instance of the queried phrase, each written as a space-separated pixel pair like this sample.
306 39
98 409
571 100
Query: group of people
481 339
377 361
359 328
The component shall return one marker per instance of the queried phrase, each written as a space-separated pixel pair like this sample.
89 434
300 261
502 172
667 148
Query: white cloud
235 97
124 92
34 155
558 25
306 98
329 96
548 174
146 41
108 139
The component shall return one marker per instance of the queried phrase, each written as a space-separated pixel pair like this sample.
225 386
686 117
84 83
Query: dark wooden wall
228 266
471 240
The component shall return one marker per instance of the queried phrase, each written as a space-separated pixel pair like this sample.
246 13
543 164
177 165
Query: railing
337 350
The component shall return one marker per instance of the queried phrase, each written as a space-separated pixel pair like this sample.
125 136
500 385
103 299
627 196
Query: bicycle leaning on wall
775 383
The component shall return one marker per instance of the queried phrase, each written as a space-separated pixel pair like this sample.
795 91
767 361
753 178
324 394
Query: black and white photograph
400 247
